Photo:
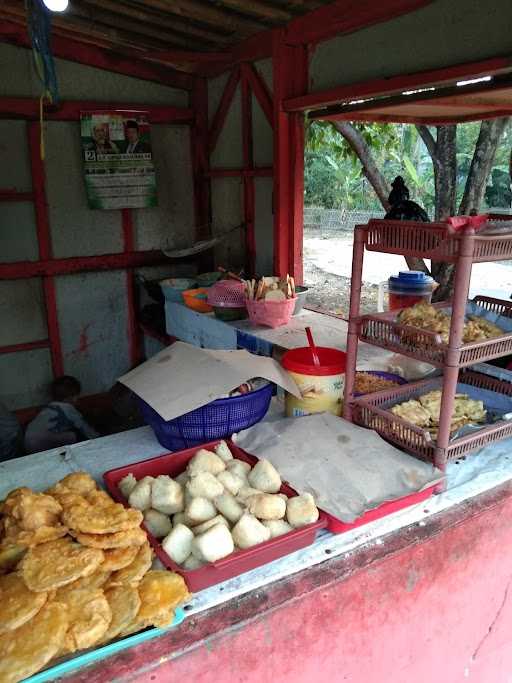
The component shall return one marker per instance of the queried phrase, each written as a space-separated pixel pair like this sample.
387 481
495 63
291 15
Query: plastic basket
270 313
434 241
382 329
373 411
217 420
227 294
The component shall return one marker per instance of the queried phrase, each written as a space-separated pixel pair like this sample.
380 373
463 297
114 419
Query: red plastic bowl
239 561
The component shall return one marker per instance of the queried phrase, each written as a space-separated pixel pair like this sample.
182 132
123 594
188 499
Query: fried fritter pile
75 572
425 411
427 317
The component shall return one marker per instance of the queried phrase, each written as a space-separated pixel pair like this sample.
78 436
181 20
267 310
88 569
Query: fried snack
28 539
118 558
10 555
80 483
95 580
426 317
33 510
368 384
124 604
104 518
89 616
57 563
160 592
121 539
412 411
134 572
18 605
30 647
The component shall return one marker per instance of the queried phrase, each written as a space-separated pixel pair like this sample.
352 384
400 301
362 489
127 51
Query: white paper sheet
183 377
347 469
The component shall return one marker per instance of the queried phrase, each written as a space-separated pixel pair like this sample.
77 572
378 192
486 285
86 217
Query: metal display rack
439 242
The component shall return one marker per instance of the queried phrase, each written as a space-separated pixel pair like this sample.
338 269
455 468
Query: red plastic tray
236 563
338 527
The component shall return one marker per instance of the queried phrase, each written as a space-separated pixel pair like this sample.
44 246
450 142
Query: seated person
11 436
59 423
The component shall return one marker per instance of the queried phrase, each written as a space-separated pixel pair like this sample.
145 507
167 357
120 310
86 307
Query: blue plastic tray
92 656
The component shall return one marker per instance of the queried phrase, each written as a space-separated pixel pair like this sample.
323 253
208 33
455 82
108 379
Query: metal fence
318 220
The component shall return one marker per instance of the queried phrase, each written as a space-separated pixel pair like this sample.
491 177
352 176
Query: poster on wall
118 159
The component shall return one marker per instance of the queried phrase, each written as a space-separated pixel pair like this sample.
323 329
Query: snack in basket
102 518
366 383
118 558
124 604
60 596
427 317
18 604
29 648
134 572
425 412
89 617
51 565
213 526
160 593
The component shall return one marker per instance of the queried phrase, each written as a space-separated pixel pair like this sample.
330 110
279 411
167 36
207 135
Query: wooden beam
223 108
44 242
81 264
26 346
248 181
123 26
76 51
12 195
200 158
260 90
208 14
290 75
346 16
27 108
260 10
259 172
397 84
193 57
423 95
376 117
93 28
162 19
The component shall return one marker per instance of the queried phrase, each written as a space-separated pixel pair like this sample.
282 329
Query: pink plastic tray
338 527
236 563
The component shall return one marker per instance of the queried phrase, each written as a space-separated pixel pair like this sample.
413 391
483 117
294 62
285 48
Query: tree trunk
445 172
370 170
481 164
373 174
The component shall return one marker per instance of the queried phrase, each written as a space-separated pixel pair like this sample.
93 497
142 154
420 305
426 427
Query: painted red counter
428 602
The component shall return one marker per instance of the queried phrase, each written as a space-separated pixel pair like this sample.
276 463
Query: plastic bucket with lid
321 386
409 288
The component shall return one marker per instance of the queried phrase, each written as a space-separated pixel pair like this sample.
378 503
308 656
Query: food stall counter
424 587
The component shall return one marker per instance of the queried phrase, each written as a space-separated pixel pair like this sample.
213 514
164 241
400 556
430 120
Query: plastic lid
332 361
413 280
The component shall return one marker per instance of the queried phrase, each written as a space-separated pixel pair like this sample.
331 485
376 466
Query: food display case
461 245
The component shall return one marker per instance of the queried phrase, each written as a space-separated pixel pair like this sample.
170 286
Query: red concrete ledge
429 598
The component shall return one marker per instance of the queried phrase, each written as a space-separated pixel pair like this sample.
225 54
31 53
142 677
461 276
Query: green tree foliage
333 174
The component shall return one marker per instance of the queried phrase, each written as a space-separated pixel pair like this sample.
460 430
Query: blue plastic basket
217 420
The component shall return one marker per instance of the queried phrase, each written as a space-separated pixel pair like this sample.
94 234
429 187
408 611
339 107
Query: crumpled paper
349 470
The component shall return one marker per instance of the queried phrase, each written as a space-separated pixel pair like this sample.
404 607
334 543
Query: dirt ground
331 292
327 268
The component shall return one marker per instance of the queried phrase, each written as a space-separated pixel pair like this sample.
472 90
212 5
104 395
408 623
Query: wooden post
248 180
290 75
